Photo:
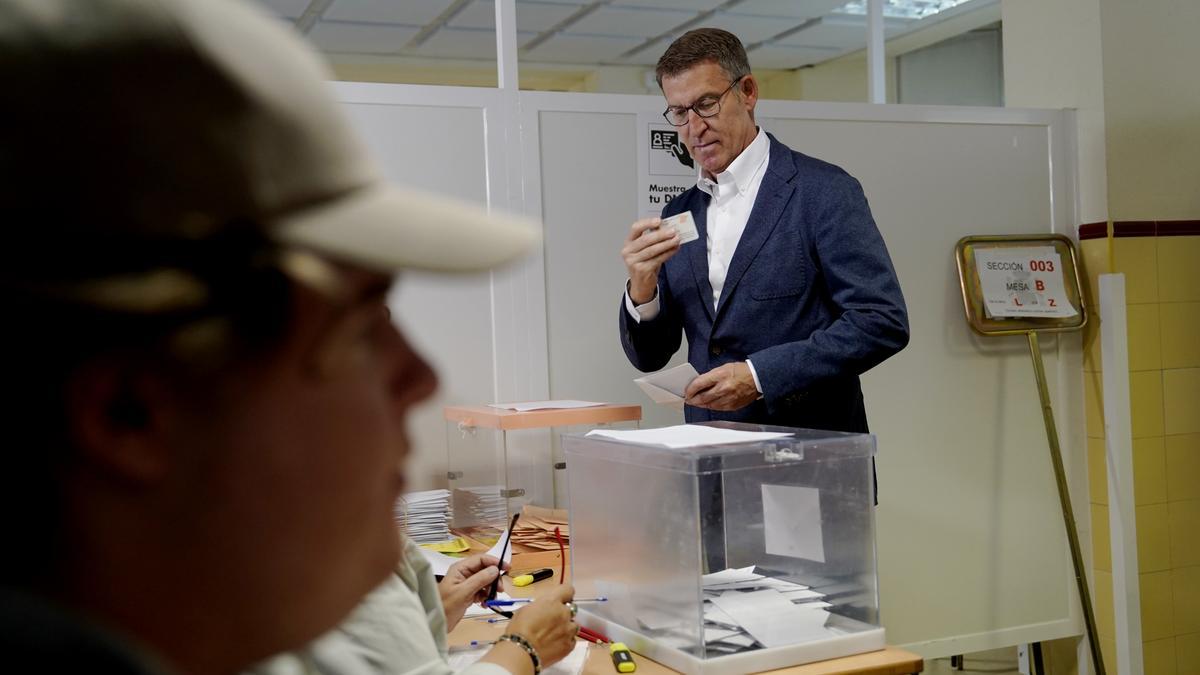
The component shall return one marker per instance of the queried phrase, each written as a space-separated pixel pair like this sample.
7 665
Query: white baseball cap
160 117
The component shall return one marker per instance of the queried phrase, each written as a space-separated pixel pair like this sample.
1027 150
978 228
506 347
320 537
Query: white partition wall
972 549
968 503
588 201
971 544
479 331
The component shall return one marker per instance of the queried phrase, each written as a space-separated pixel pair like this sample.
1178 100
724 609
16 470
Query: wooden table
888 661
507 420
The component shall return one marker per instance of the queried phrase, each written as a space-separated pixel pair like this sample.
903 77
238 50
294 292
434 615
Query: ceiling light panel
891 26
649 55
409 12
463 43
531 16
360 38
689 5
627 21
827 34
479 15
904 9
792 9
750 28
582 49
783 57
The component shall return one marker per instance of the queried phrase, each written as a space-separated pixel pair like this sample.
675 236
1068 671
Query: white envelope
666 387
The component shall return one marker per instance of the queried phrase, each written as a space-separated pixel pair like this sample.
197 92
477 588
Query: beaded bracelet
524 644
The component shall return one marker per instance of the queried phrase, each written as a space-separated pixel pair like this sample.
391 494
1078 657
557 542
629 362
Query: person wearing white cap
205 427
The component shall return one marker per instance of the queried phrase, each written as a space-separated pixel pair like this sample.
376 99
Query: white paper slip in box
684 225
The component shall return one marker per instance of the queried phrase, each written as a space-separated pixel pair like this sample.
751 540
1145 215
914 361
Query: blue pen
518 601
471 646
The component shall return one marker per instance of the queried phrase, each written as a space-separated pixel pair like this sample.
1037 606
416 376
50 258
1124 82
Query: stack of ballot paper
535 529
745 610
483 504
440 563
425 516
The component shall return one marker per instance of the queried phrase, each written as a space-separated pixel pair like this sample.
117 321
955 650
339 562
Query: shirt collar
741 170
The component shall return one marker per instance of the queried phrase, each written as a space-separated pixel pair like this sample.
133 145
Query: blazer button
715 350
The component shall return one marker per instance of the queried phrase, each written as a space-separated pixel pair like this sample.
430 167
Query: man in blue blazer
789 293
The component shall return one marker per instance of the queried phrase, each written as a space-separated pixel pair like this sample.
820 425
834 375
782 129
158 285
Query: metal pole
876 70
1064 497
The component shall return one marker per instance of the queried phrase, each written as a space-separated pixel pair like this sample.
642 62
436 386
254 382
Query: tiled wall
1161 263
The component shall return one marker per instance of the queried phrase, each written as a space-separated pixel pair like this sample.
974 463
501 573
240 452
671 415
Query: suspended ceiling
777 33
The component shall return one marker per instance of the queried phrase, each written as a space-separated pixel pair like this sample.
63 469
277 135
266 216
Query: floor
1002 661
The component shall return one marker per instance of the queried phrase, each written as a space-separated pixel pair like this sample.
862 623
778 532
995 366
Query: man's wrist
754 376
641 296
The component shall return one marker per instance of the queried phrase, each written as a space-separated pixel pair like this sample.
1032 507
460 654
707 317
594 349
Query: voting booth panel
971 552
970 555
968 503
441 148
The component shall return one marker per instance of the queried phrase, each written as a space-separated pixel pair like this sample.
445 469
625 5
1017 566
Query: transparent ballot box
727 558
500 460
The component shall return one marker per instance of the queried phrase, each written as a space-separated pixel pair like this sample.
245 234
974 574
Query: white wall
1152 108
843 79
1052 59
967 69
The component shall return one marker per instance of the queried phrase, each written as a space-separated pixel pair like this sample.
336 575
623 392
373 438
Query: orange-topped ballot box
501 457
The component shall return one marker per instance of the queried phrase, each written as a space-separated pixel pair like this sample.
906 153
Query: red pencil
591 635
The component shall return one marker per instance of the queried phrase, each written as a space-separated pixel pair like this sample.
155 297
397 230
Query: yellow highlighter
622 659
530 577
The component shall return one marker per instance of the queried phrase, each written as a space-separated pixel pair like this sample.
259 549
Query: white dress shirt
733 194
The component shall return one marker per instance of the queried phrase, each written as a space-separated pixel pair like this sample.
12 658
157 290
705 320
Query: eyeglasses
708 106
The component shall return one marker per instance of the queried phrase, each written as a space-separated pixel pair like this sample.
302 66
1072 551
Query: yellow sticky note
456 545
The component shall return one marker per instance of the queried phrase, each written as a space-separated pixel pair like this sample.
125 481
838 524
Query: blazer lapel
773 195
698 251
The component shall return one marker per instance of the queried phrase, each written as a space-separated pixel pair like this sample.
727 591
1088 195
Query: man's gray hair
703 45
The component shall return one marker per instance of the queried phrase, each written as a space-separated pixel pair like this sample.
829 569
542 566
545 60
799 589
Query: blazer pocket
778 277
776 291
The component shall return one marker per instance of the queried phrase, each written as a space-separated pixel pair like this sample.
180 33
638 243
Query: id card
684 225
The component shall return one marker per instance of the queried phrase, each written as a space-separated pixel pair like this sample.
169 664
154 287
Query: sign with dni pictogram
665 167
668 155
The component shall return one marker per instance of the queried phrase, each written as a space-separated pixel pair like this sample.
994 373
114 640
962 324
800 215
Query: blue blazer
811 298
